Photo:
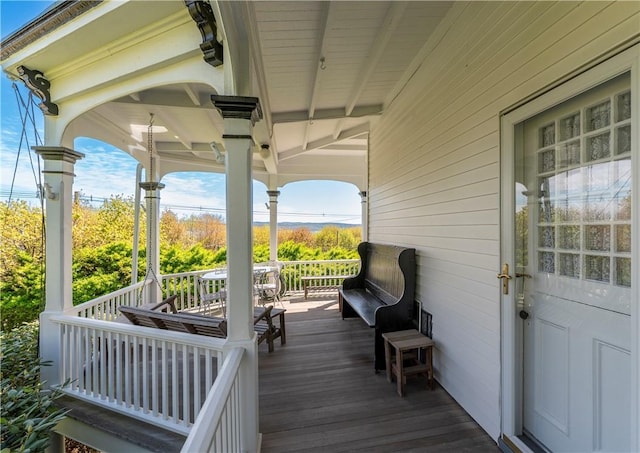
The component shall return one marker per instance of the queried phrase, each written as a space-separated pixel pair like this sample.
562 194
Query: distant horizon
194 211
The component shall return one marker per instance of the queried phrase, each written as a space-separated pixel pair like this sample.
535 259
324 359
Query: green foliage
22 291
261 253
101 270
293 251
116 220
334 237
340 253
27 409
22 234
102 250
21 263
176 259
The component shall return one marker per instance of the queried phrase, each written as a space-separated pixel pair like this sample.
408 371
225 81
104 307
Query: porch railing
105 307
158 376
163 377
218 426
292 271
185 285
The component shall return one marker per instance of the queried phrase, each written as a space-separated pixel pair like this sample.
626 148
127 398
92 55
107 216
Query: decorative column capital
363 195
58 153
273 194
151 185
238 107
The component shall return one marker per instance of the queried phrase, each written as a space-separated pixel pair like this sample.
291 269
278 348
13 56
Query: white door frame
511 326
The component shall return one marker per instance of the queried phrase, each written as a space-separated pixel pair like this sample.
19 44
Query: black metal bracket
202 14
38 85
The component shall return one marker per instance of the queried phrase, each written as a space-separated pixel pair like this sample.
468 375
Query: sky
106 171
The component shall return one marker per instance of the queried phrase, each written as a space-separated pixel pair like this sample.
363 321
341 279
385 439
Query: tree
208 230
175 259
22 234
328 237
101 270
261 235
85 226
299 235
172 230
115 222
21 263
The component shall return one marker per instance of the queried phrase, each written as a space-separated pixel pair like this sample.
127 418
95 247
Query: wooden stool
403 342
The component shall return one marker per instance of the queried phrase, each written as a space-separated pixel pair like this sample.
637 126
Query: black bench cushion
363 303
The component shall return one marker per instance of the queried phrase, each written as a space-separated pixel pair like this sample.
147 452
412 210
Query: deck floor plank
319 393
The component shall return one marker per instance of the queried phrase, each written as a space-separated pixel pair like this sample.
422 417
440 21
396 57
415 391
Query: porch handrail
292 271
106 307
184 284
158 376
218 425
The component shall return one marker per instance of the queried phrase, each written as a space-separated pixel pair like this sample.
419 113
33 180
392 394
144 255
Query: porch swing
26 111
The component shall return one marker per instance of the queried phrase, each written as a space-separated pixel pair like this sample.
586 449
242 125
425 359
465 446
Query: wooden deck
319 392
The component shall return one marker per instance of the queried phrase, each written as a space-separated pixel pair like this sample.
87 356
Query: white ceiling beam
393 17
103 121
178 132
200 148
191 93
159 98
325 141
328 12
333 147
253 35
326 114
338 129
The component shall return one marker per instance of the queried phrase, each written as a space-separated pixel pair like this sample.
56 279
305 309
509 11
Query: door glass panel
582 202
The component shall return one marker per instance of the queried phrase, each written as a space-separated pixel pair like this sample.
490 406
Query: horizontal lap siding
434 165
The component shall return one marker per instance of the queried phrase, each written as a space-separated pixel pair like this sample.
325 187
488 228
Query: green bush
27 410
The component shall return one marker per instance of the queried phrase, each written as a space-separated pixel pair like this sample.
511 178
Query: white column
58 193
365 215
240 114
152 189
273 224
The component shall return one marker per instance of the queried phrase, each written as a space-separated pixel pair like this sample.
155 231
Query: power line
4 194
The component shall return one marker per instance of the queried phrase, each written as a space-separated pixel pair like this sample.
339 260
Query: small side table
402 342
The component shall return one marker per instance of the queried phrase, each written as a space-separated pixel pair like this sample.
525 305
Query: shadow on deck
319 392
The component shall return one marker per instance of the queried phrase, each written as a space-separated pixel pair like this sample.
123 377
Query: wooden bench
325 282
205 325
382 293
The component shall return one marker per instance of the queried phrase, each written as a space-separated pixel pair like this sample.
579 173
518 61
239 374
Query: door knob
524 314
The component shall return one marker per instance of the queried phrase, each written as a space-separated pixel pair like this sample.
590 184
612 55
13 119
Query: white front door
573 256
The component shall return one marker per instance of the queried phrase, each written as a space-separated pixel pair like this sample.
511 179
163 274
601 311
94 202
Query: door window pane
598 116
584 193
598 147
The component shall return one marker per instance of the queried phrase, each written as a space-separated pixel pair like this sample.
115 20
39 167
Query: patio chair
269 286
265 328
212 302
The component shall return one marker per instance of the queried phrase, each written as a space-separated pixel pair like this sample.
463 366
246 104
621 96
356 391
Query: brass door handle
505 277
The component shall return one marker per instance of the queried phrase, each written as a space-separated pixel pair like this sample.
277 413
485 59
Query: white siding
434 165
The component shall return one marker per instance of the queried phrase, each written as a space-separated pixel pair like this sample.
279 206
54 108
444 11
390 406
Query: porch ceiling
324 72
